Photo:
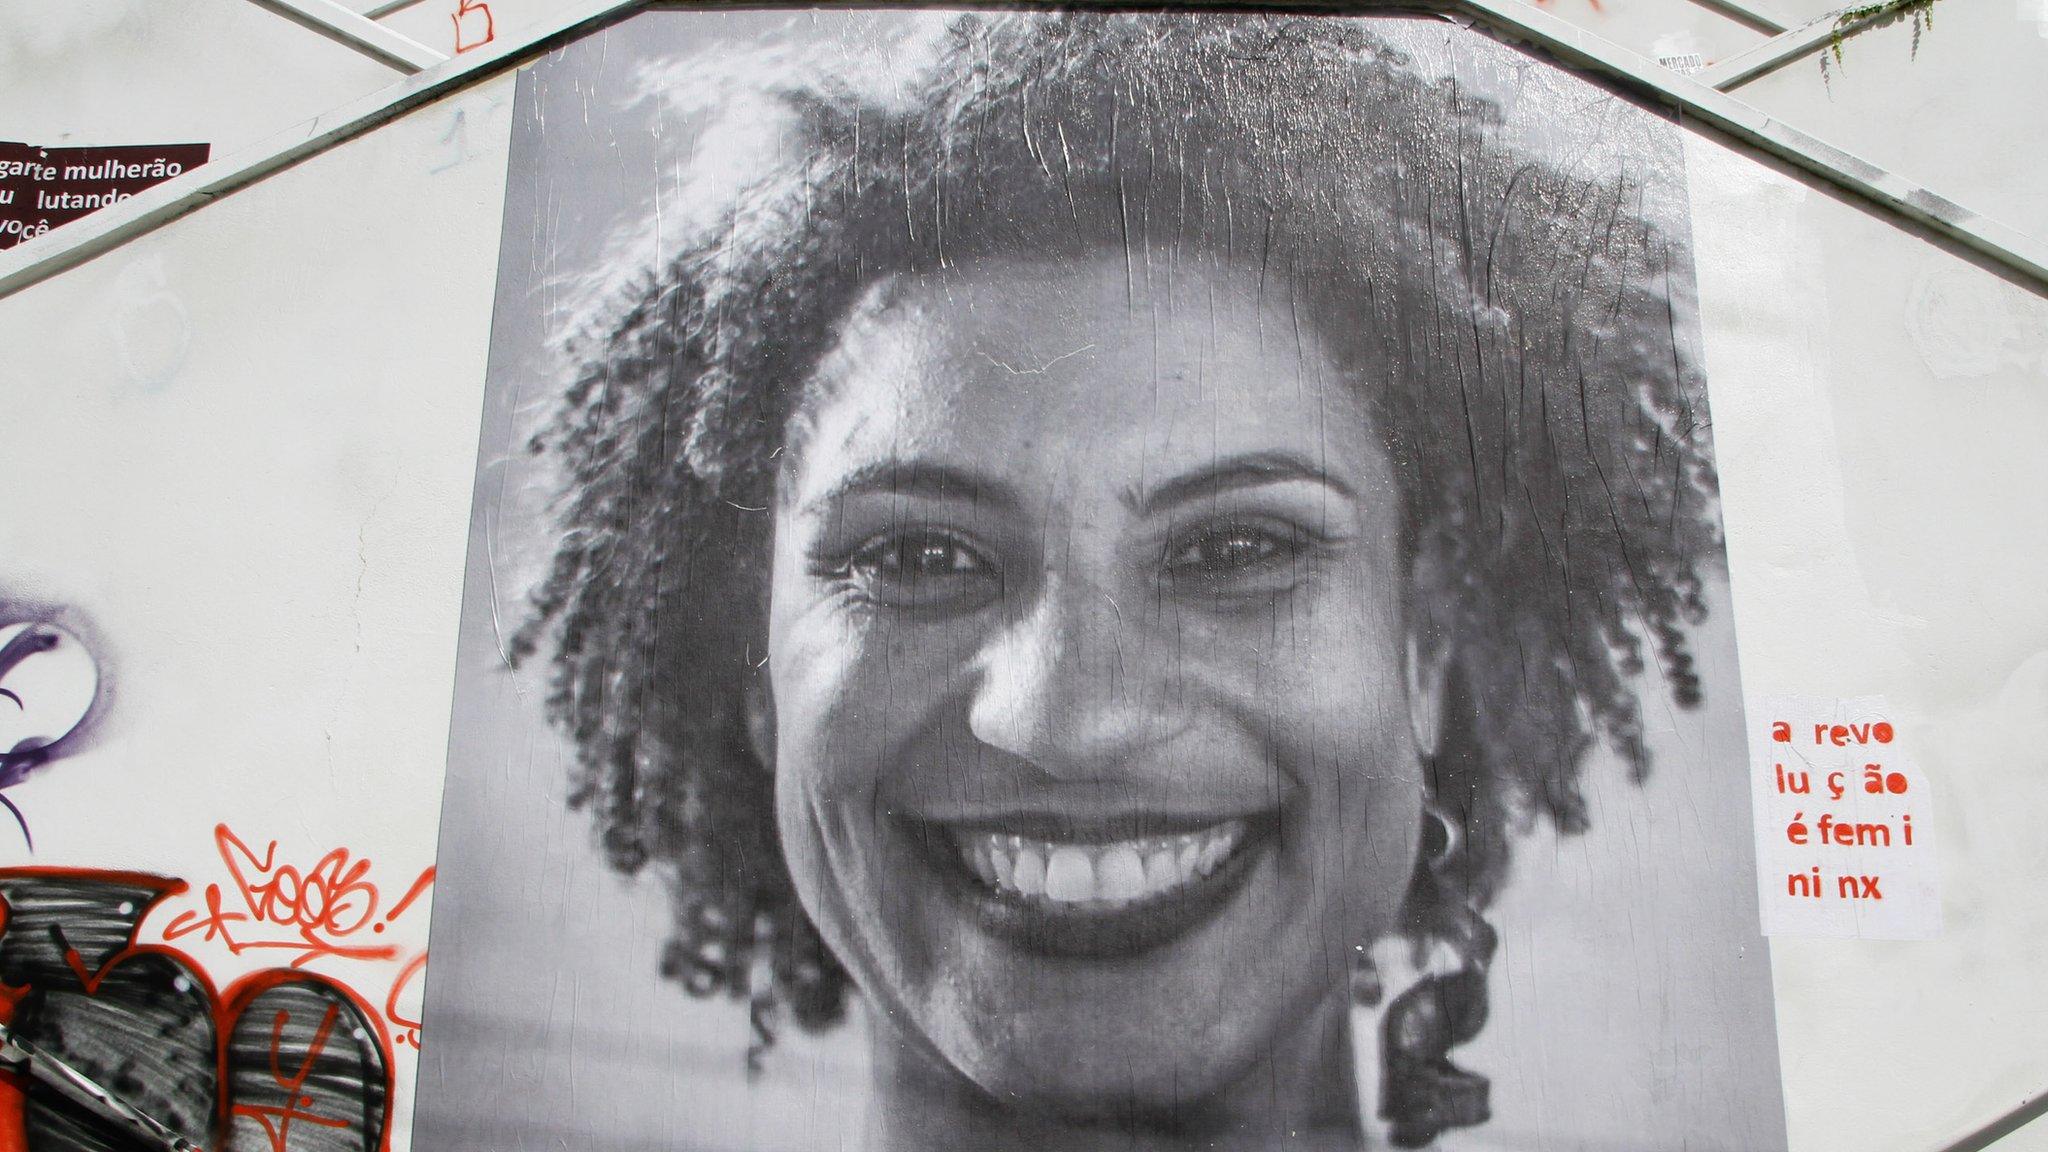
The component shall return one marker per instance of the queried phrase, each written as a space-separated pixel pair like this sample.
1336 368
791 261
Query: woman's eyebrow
927 478
1230 473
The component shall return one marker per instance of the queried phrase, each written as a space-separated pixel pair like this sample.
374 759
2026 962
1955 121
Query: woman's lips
1097 876
1078 891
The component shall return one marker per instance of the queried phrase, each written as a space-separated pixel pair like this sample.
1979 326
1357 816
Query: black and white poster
1094 580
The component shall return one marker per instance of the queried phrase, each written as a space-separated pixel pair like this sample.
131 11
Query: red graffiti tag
315 912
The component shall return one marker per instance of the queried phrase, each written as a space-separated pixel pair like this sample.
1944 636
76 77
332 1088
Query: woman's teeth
1116 872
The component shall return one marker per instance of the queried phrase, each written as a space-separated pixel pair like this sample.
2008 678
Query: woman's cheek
858 693
826 703
1356 756
819 774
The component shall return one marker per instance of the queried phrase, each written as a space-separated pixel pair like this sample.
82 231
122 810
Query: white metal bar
2020 257
1741 11
81 240
1773 54
380 11
358 32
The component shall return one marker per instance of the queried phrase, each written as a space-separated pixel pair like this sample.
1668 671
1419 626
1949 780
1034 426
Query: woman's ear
759 703
1428 665
1429 643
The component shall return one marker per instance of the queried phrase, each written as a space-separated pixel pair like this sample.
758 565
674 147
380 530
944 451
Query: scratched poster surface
229 560
1074 582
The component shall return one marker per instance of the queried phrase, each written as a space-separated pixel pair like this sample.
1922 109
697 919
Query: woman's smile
1076 873
1086 887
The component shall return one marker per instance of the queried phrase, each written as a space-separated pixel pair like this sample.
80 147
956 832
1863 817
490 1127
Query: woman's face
1093 738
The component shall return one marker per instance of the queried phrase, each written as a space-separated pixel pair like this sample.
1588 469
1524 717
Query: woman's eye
922 569
1226 551
1237 558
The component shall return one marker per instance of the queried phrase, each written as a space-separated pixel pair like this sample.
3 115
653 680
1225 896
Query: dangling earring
1439 840
1422 1091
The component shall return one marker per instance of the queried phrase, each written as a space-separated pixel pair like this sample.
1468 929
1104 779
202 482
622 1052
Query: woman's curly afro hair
1518 317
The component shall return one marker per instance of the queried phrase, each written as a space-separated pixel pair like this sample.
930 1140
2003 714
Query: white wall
1879 407
242 447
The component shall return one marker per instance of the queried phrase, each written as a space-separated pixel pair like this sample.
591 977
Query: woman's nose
1062 686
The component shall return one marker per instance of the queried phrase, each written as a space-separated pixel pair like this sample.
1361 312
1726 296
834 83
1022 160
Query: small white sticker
1844 823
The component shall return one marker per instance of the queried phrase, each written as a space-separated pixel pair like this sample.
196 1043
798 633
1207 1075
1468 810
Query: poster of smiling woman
1086 581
